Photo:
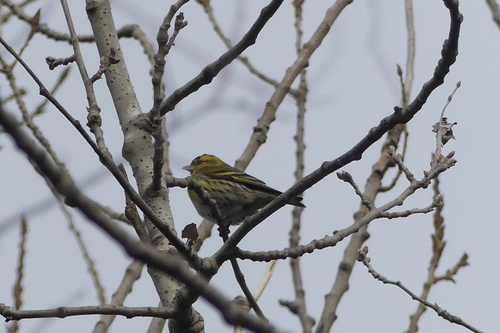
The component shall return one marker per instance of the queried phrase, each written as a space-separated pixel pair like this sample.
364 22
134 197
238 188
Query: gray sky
353 84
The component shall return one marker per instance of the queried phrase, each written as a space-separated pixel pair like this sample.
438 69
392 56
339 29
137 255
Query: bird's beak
189 168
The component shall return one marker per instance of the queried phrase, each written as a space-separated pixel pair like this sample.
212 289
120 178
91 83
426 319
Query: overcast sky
352 84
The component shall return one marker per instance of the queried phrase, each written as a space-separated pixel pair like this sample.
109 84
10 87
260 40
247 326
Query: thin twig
59 82
165 43
240 278
133 216
260 288
399 172
34 23
365 201
94 119
362 257
438 245
18 289
299 303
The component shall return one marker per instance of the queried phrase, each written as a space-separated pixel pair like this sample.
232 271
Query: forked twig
363 258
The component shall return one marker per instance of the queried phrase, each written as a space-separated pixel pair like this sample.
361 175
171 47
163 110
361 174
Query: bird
236 193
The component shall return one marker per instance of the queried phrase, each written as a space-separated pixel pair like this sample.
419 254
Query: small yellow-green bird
236 193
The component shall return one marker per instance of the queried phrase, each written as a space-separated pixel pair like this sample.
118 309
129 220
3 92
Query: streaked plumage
237 194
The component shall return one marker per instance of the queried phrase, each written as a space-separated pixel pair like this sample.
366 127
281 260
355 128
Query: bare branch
63 312
132 274
269 115
209 72
171 265
410 51
60 80
55 62
298 305
346 177
362 220
18 288
133 216
362 257
227 42
403 154
109 163
400 116
438 245
495 11
240 278
165 43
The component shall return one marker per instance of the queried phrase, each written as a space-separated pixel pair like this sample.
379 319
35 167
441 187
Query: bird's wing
235 175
